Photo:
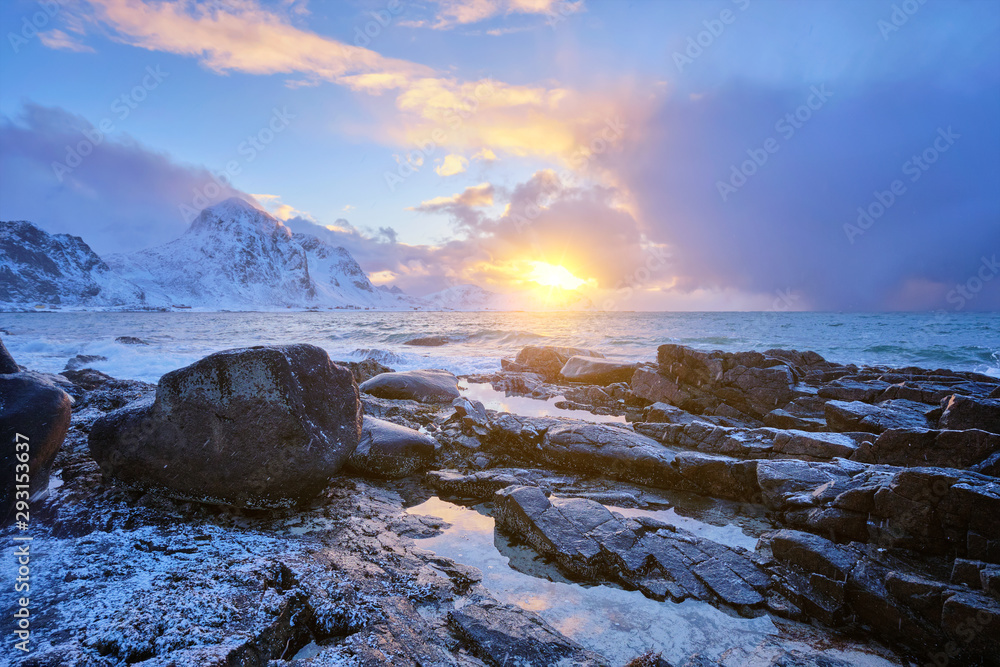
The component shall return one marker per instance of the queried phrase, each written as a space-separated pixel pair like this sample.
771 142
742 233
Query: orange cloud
240 35
473 196
451 165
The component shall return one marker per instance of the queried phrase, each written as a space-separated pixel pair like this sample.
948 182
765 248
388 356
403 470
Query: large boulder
7 363
964 412
701 382
390 451
34 418
548 360
593 370
425 386
252 427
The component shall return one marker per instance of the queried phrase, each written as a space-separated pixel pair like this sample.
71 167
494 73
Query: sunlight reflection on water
616 623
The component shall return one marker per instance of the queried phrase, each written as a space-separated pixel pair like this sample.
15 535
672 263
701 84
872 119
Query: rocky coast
255 508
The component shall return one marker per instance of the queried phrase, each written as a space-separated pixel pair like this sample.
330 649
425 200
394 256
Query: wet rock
790 484
706 437
592 370
254 427
82 361
482 484
921 392
853 390
502 635
718 476
130 340
364 370
782 418
586 447
428 341
964 412
662 413
587 540
649 385
858 416
473 415
939 510
7 363
807 445
34 417
390 451
408 413
813 554
97 390
974 619
549 360
950 449
988 466
749 382
425 386
730 588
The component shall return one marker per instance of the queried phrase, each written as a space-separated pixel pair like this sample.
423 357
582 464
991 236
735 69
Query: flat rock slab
425 386
587 540
858 416
505 637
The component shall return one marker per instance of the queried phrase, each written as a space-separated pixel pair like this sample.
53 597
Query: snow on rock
38 267
237 256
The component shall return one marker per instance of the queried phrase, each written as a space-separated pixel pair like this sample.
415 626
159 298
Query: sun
552 275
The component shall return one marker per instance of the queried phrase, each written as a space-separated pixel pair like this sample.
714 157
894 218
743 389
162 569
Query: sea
45 341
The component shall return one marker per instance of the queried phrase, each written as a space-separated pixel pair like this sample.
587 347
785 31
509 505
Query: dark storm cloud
66 175
793 223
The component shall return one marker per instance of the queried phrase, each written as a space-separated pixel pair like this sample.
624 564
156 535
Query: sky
710 155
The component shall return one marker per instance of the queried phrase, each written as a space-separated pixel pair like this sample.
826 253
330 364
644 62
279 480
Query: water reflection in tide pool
526 406
730 534
616 623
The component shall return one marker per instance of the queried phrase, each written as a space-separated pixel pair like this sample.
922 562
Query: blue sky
586 134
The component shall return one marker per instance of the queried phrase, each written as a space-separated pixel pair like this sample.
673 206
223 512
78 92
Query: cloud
583 229
120 196
282 211
472 197
784 228
243 36
57 39
451 165
485 154
452 13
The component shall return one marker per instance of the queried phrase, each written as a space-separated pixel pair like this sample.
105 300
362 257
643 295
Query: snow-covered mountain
234 256
237 256
41 268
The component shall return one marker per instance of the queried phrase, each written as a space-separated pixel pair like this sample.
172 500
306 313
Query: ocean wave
386 357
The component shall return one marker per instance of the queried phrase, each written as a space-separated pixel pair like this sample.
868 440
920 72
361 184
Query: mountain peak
234 215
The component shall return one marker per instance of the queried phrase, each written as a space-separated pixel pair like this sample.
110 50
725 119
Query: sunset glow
549 275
